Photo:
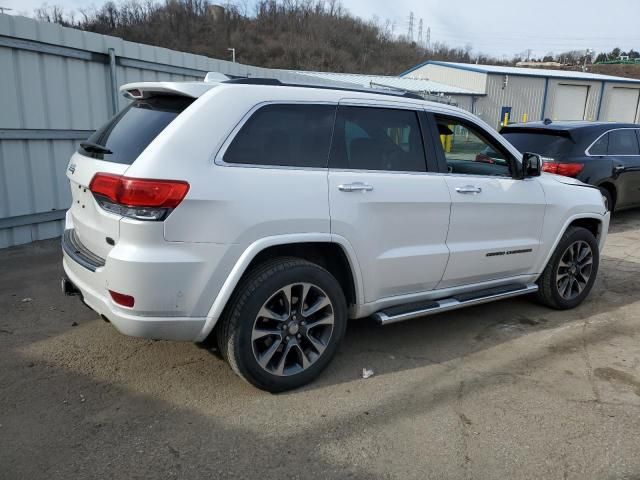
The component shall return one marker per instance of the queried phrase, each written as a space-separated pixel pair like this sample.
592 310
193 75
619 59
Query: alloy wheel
292 329
574 270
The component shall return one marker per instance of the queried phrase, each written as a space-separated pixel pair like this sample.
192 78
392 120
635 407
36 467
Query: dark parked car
606 155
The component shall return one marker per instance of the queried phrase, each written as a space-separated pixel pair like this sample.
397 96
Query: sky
495 27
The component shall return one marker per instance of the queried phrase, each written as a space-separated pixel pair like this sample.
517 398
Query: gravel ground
506 390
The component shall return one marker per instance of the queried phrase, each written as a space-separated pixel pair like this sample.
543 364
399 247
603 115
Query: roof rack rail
275 81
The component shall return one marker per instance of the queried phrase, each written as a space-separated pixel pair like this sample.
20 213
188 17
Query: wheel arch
332 252
596 224
613 191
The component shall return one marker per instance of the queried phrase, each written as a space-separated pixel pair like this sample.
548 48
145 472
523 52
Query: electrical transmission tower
420 33
410 32
428 38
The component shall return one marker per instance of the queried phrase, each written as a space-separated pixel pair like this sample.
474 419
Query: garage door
570 102
622 105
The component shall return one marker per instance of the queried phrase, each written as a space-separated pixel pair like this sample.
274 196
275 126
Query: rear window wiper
95 147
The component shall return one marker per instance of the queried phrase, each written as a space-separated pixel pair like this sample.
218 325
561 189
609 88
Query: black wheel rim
292 329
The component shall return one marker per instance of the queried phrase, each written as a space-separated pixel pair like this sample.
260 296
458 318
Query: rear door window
123 138
371 138
284 135
623 142
601 146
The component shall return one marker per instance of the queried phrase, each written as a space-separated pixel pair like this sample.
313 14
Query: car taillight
139 198
565 169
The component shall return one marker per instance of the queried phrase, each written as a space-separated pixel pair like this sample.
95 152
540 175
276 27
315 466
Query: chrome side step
415 310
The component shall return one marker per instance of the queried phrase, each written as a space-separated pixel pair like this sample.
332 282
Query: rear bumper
163 278
160 328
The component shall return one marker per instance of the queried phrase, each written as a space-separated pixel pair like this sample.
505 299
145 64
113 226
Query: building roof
529 72
386 81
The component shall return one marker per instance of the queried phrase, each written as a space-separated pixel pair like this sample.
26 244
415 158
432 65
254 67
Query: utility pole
586 57
233 54
410 32
5 9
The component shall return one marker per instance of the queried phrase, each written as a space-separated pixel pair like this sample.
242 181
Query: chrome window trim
586 152
219 156
394 172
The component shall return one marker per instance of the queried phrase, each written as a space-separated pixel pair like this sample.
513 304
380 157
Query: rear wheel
571 272
284 324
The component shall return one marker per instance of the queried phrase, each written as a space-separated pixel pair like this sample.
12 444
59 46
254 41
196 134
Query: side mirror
531 165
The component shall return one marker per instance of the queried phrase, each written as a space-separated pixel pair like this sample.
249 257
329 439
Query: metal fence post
114 81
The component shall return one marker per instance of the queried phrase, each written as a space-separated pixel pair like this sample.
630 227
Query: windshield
546 144
123 138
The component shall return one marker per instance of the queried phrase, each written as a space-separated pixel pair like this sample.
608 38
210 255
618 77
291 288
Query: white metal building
536 94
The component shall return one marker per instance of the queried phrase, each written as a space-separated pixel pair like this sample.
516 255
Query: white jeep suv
265 215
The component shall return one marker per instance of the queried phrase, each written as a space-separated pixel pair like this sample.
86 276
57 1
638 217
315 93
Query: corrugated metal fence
57 85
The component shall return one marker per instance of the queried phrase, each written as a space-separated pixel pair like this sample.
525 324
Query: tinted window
368 138
601 146
132 130
285 135
546 144
469 151
623 142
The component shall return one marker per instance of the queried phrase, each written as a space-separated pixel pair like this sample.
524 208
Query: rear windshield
127 134
543 143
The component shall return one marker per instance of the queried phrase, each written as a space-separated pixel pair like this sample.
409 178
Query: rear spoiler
545 131
138 90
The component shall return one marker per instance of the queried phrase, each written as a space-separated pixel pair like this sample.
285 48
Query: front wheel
571 271
284 324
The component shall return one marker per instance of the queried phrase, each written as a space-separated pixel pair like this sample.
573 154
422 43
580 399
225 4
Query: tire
272 339
580 274
608 199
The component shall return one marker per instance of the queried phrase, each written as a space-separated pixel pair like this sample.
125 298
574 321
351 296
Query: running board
421 309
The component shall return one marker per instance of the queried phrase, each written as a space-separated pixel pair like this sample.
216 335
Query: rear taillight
139 198
565 169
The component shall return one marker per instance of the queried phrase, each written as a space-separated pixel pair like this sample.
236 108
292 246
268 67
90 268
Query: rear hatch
112 149
547 142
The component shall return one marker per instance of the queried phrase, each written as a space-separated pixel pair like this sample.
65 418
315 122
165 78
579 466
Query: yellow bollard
525 117
449 140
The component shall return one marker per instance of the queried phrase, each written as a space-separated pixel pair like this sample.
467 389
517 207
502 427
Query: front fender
604 229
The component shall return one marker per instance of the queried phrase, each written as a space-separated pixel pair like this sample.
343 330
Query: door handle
355 187
468 189
618 168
